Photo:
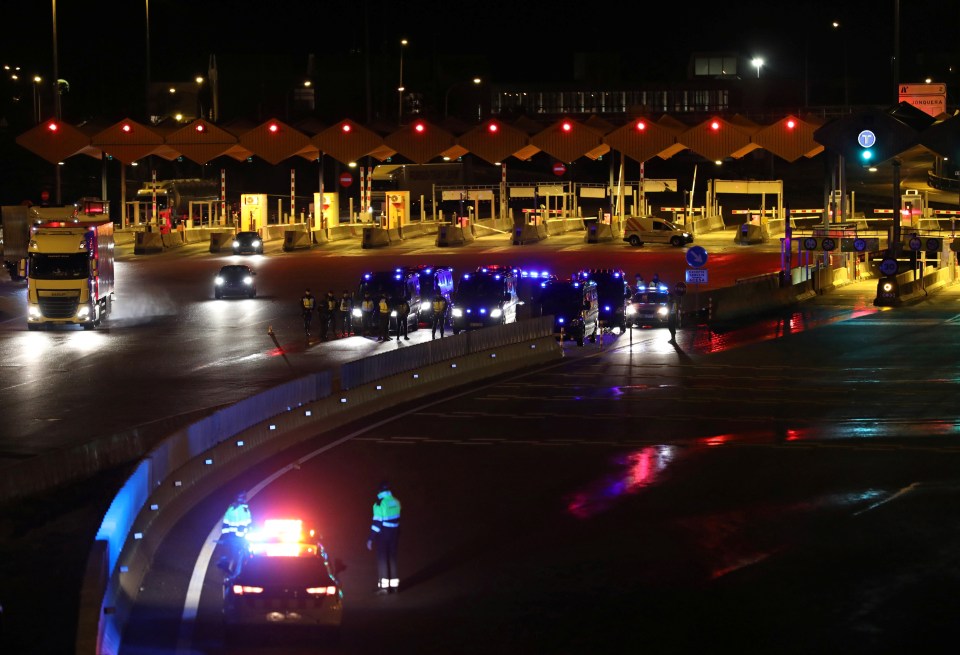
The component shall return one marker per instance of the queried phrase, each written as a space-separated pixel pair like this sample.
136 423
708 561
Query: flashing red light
715 125
274 128
791 124
53 127
641 126
126 128
200 127
566 126
346 127
419 127
492 127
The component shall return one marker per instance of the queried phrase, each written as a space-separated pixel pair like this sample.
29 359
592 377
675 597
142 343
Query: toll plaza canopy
421 141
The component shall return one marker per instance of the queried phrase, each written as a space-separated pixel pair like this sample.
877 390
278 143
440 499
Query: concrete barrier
172 239
146 243
597 232
753 298
196 460
452 235
296 240
529 234
346 231
376 237
748 233
221 241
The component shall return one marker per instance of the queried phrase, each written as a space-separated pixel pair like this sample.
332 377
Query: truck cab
650 229
485 297
432 280
574 307
396 284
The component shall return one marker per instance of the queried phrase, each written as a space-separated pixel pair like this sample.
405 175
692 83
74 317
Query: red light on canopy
346 127
641 126
200 127
274 128
419 127
566 126
126 127
715 125
791 124
492 127
53 127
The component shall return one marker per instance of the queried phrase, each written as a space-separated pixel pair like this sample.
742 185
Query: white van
649 229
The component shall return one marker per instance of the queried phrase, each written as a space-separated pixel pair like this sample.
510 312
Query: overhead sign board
928 98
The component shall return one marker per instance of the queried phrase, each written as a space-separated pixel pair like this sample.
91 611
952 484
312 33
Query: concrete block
147 243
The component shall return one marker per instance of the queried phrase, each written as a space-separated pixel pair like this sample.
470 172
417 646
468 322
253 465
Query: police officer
403 313
307 305
233 530
439 315
385 534
333 308
346 314
383 316
672 317
367 312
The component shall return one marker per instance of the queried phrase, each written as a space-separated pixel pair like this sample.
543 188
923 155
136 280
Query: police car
287 579
649 306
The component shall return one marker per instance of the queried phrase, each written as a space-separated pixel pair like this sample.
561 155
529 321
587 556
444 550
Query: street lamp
758 63
446 96
36 98
403 43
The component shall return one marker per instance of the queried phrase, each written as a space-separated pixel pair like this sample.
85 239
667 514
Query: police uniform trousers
387 542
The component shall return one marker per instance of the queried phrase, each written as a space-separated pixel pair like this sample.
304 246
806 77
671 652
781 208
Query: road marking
900 493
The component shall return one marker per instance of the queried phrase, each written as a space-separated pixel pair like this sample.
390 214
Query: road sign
559 169
346 179
915 243
44 196
934 244
929 98
888 266
696 276
680 288
866 139
810 243
696 256
859 244
828 244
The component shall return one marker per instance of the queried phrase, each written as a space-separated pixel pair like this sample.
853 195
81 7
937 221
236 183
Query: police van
614 294
433 279
396 284
488 296
575 309
649 306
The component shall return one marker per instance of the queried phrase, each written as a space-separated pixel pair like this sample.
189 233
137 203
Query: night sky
102 49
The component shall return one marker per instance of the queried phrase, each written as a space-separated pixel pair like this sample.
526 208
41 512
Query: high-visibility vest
307 302
384 307
438 306
237 520
386 513
345 304
367 305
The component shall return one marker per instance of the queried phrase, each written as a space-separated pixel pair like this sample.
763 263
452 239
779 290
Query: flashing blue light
483 311
366 277
606 308
397 276
543 285
544 274
466 276
484 269
617 275
398 269
560 320
429 270
496 277
576 284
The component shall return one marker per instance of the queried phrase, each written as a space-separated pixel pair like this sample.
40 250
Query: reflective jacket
308 303
383 306
386 513
237 520
346 304
439 306
367 305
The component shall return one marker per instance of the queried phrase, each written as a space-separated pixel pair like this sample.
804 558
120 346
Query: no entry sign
346 179
559 168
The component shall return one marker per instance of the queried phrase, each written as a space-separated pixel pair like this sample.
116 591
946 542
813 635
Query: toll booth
913 208
331 211
253 212
397 210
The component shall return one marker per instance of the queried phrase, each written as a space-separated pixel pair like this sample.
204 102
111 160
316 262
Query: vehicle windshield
609 286
234 272
651 297
561 299
481 286
426 284
73 266
247 236
382 283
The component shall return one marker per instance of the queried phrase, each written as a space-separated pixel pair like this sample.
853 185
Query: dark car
247 243
286 582
235 280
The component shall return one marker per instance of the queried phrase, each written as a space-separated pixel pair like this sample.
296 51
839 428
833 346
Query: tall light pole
146 41
758 64
446 96
403 44
37 110
56 100
846 77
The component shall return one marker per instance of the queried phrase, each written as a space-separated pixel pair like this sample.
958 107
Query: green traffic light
866 155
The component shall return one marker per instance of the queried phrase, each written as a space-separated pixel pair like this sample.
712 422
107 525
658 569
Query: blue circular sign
859 244
866 139
696 256
915 243
829 244
888 266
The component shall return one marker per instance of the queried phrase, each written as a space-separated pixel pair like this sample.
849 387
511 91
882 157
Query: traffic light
870 137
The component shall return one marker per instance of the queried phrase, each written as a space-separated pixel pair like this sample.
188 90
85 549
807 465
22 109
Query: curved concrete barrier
375 237
529 234
451 235
597 232
748 233
147 243
172 239
196 460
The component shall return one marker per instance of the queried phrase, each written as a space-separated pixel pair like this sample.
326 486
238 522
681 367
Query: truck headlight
256 243
218 281
425 306
457 312
662 311
496 313
631 310
83 312
248 280
34 311
357 313
236 244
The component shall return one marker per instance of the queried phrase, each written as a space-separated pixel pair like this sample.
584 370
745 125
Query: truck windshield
73 266
382 283
481 286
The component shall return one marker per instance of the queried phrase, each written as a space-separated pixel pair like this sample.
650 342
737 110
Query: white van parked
649 229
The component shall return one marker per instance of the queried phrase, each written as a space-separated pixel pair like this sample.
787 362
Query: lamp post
758 64
56 99
36 99
446 96
846 76
403 44
146 40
